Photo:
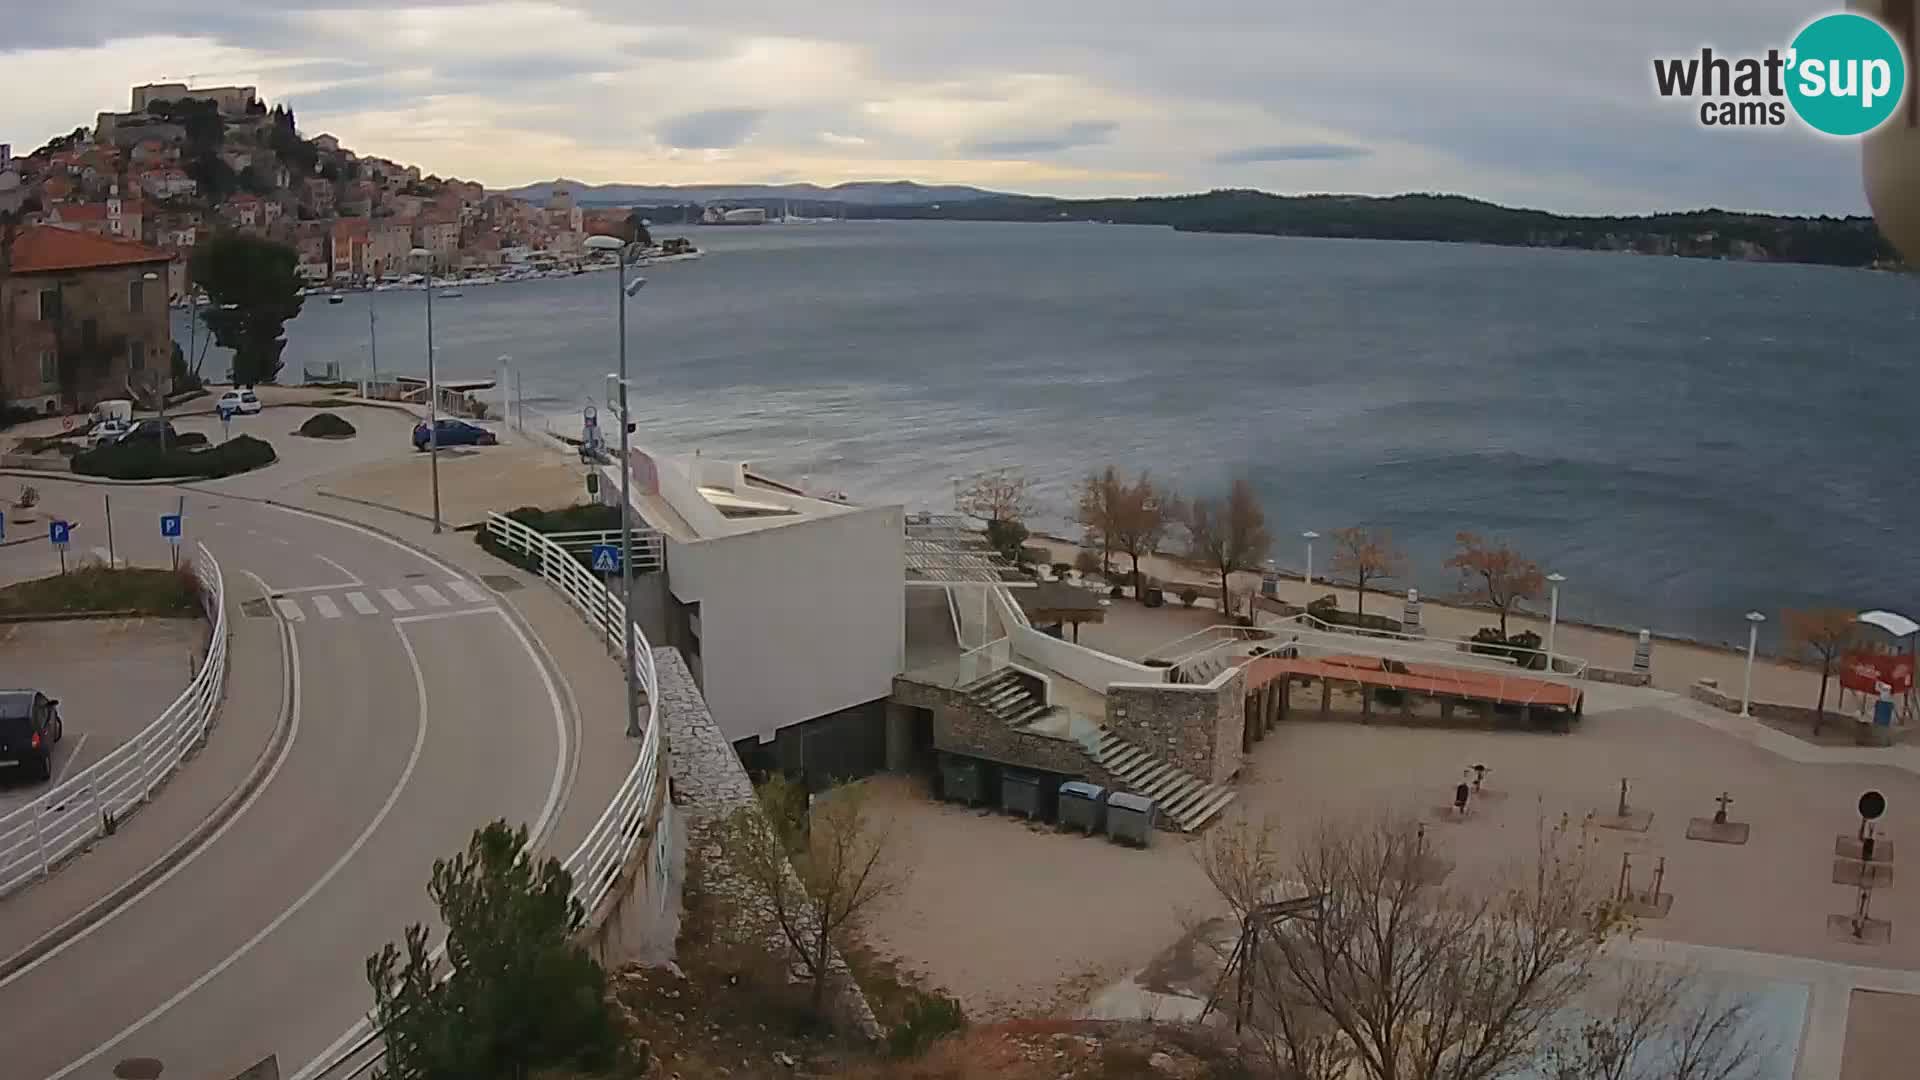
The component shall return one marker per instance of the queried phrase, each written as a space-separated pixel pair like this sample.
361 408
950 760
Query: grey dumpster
1130 818
961 780
1021 793
1083 806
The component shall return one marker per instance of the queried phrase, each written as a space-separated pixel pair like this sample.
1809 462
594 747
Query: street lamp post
1754 619
433 392
1553 615
624 291
1309 536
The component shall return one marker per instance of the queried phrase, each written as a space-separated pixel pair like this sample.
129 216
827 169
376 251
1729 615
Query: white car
239 401
107 431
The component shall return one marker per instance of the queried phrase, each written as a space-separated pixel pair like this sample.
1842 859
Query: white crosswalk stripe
326 607
290 610
396 600
432 596
361 604
466 591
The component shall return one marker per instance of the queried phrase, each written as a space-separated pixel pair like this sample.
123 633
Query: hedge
326 426
146 461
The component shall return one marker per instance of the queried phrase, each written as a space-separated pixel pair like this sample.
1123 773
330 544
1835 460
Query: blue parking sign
58 532
170 526
3 525
606 559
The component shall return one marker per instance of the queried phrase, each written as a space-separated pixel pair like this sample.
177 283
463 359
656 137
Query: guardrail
649 549
595 865
89 804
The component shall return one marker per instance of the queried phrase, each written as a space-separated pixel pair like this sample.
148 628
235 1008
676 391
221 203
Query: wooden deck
1434 679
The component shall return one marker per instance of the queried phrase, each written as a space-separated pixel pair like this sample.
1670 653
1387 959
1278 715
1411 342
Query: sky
1547 105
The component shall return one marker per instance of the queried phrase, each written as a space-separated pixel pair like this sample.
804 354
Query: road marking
359 842
326 607
439 615
431 595
335 587
466 592
395 600
71 758
361 604
290 656
289 609
352 578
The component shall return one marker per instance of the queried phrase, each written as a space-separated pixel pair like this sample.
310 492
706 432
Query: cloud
1253 155
834 138
710 129
1084 133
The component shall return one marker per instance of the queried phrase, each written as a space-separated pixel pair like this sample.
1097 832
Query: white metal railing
649 548
84 806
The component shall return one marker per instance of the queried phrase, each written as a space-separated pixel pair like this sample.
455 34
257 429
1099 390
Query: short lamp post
433 390
1309 536
624 292
1553 614
1754 619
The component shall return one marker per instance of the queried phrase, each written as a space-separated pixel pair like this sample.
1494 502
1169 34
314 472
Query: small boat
336 298
451 294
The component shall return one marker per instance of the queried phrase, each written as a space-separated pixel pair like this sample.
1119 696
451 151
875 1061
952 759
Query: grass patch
146 461
166 593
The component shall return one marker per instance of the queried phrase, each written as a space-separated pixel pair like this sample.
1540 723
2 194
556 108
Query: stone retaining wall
1199 728
960 728
1707 691
709 784
1620 678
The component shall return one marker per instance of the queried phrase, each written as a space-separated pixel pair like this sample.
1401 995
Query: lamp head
1756 618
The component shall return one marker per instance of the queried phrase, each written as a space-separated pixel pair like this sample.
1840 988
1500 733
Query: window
136 355
49 304
136 292
49 367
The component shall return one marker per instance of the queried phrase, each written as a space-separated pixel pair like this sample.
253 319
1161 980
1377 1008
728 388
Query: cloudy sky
1544 104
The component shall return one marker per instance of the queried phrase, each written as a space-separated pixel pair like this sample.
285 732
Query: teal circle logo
1846 74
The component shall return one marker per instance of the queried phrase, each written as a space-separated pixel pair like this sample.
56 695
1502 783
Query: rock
781 1057
678 1018
1161 1062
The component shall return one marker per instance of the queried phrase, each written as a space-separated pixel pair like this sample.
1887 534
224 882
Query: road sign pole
111 561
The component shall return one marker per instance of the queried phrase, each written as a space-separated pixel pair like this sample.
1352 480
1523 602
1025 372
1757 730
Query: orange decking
1435 679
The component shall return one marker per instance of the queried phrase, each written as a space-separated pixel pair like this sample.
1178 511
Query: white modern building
789 609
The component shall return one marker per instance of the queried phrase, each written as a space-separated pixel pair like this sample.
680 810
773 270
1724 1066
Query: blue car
450 432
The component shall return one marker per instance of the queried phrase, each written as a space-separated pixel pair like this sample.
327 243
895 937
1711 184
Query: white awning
1897 625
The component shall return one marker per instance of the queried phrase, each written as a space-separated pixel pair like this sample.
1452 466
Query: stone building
100 300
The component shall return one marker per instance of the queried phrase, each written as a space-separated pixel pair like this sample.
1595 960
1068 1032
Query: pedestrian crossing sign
606 559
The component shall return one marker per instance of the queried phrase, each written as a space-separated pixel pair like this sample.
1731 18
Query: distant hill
857 193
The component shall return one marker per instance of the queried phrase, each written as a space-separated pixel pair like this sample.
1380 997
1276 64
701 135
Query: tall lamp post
1754 619
433 391
623 292
1309 536
1553 615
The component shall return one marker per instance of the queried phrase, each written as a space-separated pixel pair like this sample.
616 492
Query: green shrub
1087 562
326 426
1188 595
584 517
1060 569
928 1018
93 587
146 461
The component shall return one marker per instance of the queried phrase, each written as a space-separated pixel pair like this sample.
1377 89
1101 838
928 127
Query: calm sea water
1683 440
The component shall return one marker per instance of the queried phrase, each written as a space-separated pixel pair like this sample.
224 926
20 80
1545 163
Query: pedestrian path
350 602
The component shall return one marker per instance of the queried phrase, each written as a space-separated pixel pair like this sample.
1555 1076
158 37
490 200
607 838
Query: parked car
29 726
151 430
107 431
244 402
451 432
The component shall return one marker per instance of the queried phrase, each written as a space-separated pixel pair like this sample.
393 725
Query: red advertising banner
1861 671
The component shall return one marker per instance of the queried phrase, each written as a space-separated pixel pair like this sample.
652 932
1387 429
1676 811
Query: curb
370 504
93 913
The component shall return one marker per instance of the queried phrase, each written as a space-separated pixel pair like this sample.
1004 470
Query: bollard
1410 612
1643 652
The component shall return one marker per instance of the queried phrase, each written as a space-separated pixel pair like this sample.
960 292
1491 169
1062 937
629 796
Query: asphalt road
419 712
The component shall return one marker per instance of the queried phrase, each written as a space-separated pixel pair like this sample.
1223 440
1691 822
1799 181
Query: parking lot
112 677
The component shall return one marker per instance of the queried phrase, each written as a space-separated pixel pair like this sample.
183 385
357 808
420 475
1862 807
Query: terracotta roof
41 249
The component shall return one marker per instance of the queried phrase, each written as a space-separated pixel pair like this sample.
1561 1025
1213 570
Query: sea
1684 440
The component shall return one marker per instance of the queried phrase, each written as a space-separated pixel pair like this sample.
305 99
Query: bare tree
1004 495
1387 978
1827 633
1496 576
1097 500
1366 556
1143 513
1229 536
812 873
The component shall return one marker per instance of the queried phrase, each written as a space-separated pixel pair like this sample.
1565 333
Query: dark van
29 726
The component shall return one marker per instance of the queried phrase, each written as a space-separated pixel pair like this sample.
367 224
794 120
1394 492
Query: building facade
83 313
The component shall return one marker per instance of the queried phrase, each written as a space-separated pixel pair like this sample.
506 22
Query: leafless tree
1827 633
1096 509
1004 495
1143 514
810 873
1654 1022
1366 555
1229 535
1495 575
1390 979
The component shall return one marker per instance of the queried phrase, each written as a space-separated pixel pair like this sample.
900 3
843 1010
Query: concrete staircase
1009 696
1184 799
